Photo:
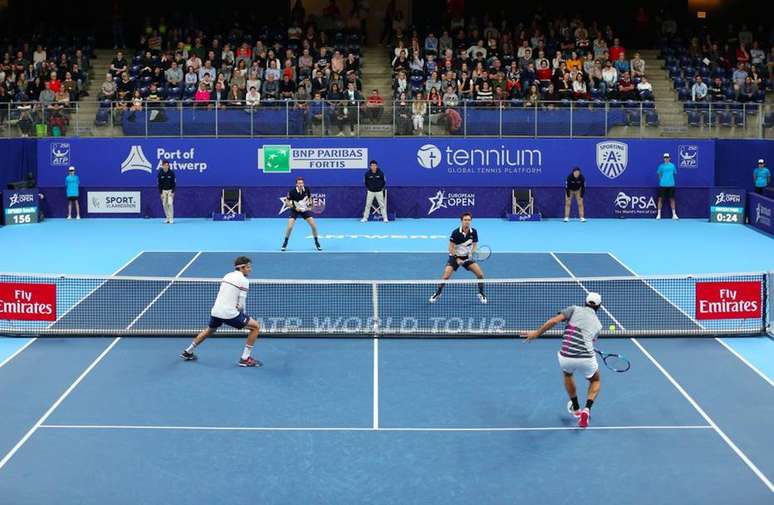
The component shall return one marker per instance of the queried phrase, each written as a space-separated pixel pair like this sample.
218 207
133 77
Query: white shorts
585 366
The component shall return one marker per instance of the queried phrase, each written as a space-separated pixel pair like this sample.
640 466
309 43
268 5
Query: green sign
276 159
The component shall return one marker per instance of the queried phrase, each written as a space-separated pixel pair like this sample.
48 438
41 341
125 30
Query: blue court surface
381 421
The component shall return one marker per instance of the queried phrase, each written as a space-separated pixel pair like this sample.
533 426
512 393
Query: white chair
522 202
231 201
375 210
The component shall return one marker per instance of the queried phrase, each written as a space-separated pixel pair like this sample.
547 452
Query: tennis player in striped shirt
577 353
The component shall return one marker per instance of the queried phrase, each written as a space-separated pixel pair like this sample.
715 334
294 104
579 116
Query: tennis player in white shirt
229 308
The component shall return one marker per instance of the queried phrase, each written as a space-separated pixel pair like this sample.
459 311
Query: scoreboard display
727 205
20 206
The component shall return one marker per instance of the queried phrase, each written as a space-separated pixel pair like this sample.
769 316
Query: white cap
71 169
761 161
666 155
594 299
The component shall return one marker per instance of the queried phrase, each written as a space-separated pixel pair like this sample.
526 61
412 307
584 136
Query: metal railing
278 118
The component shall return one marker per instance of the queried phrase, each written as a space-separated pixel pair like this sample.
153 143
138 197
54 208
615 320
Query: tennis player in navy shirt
299 200
463 242
666 184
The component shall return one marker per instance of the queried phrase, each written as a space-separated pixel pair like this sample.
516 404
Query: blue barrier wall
736 159
407 162
435 177
17 158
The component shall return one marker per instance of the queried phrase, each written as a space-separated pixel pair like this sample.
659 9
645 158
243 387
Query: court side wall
426 177
736 159
17 157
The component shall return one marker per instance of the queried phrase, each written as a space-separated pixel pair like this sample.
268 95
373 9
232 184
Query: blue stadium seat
102 118
174 92
724 118
738 116
651 118
694 118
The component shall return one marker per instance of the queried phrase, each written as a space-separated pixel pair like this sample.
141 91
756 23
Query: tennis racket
482 253
615 362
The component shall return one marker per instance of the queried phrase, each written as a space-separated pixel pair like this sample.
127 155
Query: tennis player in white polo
229 308
577 353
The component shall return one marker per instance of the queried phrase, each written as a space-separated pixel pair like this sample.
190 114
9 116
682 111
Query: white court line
742 359
586 290
260 428
17 352
707 418
22 348
376 384
694 321
163 291
56 404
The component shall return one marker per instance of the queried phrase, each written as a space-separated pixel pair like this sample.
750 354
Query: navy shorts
72 198
295 214
237 322
666 192
467 261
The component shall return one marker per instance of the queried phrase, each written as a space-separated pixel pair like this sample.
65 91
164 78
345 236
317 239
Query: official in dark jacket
167 189
575 186
375 183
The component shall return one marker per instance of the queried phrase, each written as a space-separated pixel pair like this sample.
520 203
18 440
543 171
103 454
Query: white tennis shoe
573 412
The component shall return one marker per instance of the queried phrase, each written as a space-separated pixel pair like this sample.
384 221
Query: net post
375 307
768 304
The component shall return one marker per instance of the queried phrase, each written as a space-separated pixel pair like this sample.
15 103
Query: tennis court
388 420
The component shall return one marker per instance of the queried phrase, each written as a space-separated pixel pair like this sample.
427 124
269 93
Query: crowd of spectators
732 66
236 69
493 62
42 81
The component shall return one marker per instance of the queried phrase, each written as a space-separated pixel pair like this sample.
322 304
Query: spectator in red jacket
55 83
616 50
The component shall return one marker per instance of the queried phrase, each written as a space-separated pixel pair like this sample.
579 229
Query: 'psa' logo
60 154
688 156
634 204
612 158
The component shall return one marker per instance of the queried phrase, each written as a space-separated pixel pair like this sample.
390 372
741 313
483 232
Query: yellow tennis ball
611 327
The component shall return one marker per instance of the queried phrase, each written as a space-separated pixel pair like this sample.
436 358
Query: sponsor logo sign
27 302
634 204
60 154
762 214
728 300
113 202
612 158
136 161
284 158
179 160
727 199
493 160
688 156
443 200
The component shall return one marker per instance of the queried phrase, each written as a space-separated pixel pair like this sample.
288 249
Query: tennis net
711 304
